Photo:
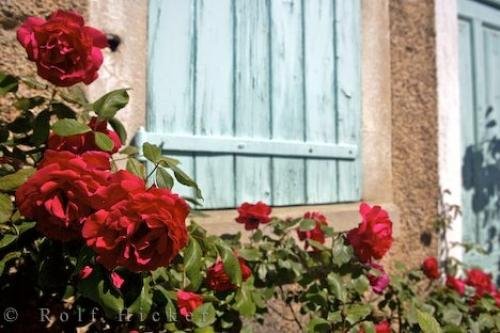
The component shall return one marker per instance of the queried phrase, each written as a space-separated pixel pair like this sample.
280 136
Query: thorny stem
291 309
152 171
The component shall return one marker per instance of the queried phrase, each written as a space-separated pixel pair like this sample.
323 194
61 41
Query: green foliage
68 127
8 83
108 105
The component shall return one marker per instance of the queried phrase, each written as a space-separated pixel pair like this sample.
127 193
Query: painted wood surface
479 38
259 71
320 103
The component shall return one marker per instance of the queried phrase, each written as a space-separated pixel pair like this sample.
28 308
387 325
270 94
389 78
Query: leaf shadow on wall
481 175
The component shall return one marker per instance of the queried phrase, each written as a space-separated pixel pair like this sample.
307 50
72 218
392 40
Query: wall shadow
481 175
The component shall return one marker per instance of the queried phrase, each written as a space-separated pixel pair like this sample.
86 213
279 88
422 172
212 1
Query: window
259 100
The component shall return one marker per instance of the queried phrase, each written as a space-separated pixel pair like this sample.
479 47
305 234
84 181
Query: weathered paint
479 38
259 73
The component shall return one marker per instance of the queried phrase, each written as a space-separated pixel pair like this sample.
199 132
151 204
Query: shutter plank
252 102
468 118
171 74
214 98
348 93
287 98
320 97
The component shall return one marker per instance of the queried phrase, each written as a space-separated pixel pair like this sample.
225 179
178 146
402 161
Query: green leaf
336 287
103 141
6 240
193 263
136 167
316 245
63 111
142 304
453 329
8 83
8 257
168 162
163 178
25 226
75 94
119 128
69 127
14 180
98 288
427 322
307 225
151 152
250 254
342 254
184 179
244 302
6 208
207 329
451 315
204 315
129 150
231 264
318 325
357 312
361 284
108 105
41 128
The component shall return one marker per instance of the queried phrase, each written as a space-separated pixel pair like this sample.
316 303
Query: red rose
480 280
94 160
142 233
373 237
316 234
430 266
64 49
81 143
253 214
382 327
456 284
59 195
187 302
218 280
121 185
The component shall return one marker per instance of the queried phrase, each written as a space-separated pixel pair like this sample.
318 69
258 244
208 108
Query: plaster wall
414 127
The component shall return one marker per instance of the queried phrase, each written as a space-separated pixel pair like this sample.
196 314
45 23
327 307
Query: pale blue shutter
260 99
479 42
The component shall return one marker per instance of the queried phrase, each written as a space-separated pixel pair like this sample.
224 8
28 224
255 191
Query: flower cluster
475 278
316 234
75 196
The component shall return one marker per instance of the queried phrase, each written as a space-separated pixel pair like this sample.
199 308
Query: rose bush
103 249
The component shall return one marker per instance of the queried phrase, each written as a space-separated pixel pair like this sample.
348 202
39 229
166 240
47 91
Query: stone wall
414 126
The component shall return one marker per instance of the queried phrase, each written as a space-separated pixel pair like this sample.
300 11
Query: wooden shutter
260 100
479 42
